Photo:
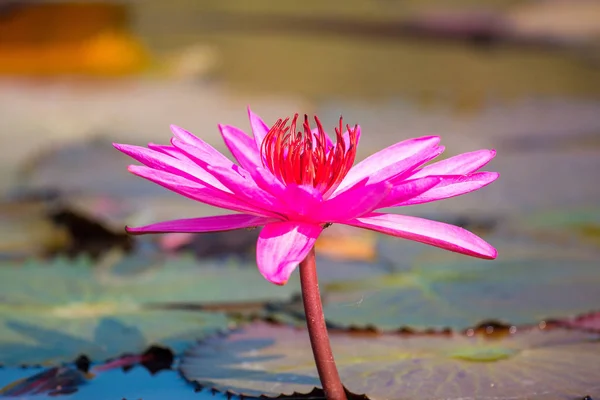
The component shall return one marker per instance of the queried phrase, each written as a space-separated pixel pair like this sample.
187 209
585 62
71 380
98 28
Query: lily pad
263 359
529 282
121 280
579 226
34 338
56 311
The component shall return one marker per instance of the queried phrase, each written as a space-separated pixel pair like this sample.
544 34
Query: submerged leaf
263 359
133 384
52 381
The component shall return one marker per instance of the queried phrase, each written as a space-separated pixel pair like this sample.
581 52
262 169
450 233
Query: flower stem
317 330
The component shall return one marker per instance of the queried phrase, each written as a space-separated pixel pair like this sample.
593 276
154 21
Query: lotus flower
296 183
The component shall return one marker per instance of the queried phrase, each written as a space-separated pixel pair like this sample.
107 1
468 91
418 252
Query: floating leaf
574 226
263 359
34 338
178 280
57 311
529 282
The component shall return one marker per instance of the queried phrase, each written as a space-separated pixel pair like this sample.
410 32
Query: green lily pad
177 280
263 359
38 337
529 282
55 311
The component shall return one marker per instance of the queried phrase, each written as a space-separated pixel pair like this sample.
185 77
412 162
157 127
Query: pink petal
214 155
167 163
303 202
161 148
196 191
458 165
354 202
200 156
259 128
451 186
242 147
434 233
173 152
246 189
282 246
268 182
205 224
407 190
393 161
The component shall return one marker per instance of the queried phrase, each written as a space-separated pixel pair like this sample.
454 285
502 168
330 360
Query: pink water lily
295 183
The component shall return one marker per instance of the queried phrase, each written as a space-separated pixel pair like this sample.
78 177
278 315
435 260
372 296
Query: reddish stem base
317 330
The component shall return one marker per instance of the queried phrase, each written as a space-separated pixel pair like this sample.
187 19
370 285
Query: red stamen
302 158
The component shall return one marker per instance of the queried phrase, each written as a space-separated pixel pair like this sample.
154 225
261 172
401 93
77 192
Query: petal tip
433 138
120 146
277 279
133 168
493 254
251 113
177 130
487 251
132 231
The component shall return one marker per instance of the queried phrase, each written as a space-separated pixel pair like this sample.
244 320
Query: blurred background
520 76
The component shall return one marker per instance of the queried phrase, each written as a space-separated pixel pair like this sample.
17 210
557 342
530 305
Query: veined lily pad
263 359
529 282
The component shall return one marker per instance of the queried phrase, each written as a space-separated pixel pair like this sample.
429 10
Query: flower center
309 157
